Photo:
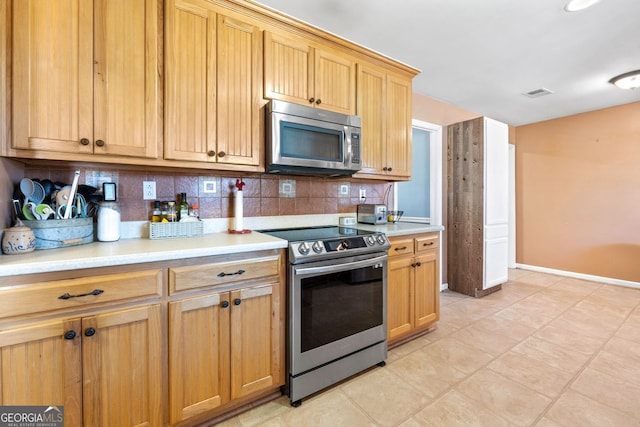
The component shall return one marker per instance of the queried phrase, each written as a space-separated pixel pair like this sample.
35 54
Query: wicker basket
171 230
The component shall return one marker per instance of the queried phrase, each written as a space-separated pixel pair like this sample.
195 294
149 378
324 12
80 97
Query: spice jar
108 221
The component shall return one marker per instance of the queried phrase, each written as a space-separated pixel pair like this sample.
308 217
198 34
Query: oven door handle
303 271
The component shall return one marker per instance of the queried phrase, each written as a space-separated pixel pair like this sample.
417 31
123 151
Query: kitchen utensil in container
72 194
394 216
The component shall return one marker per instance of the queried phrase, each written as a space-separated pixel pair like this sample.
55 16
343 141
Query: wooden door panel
127 341
426 290
126 95
52 75
38 366
239 82
198 342
254 339
288 71
400 297
371 107
190 90
399 126
335 81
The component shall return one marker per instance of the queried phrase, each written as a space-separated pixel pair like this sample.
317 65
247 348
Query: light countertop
140 250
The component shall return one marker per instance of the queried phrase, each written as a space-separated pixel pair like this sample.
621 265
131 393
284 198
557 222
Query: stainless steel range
337 305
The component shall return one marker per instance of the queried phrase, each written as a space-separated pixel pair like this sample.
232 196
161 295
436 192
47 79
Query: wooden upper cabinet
85 77
213 85
296 70
384 104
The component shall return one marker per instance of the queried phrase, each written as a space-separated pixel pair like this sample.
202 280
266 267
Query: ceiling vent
537 93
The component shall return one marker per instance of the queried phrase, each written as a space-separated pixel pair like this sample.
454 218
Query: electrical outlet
363 194
148 190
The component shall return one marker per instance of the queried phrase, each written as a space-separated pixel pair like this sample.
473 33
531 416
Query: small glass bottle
156 215
194 211
172 216
184 206
164 207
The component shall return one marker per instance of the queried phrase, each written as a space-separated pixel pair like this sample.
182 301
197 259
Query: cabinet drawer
220 273
401 246
427 242
80 292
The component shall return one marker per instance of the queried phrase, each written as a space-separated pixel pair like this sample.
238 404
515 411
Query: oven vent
537 93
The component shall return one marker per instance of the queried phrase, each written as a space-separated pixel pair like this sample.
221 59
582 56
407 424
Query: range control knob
304 248
380 239
317 247
371 240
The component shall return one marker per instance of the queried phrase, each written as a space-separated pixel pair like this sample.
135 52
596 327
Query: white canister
108 221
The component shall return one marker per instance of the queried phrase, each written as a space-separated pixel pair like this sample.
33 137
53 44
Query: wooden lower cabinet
226 342
104 369
413 289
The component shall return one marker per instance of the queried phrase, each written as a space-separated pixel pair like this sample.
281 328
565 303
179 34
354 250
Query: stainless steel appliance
372 214
337 305
306 140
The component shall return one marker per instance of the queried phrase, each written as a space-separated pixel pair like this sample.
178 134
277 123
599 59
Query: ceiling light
630 80
576 5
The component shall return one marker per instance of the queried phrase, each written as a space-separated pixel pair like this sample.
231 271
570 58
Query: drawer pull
68 295
69 335
404 248
428 244
223 274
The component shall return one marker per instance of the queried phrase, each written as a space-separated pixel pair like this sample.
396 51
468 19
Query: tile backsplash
264 195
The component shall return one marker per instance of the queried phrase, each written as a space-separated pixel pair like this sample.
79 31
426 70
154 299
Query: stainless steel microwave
304 140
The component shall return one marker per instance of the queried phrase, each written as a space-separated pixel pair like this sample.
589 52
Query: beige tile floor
544 351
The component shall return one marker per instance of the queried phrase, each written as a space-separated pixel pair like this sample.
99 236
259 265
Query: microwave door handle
340 267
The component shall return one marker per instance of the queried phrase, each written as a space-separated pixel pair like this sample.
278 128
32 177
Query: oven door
337 307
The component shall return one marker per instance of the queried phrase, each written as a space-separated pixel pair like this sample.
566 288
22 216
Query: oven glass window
310 142
338 305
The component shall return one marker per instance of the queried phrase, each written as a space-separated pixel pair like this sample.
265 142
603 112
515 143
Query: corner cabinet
297 70
384 104
413 286
85 78
478 210
104 367
226 343
213 85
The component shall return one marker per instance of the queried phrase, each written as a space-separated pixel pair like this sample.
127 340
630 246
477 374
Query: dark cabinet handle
390 169
418 264
93 292
318 101
312 100
223 274
385 169
225 304
84 141
237 301
428 244
89 332
69 335
100 143
400 249
222 154
211 153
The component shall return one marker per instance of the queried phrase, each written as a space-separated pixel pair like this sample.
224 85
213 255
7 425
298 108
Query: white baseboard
444 287
592 278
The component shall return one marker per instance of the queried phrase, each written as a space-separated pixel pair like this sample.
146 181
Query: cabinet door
335 81
398 126
38 366
198 355
288 68
255 339
52 84
122 368
190 82
427 290
400 310
372 96
239 82
126 83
